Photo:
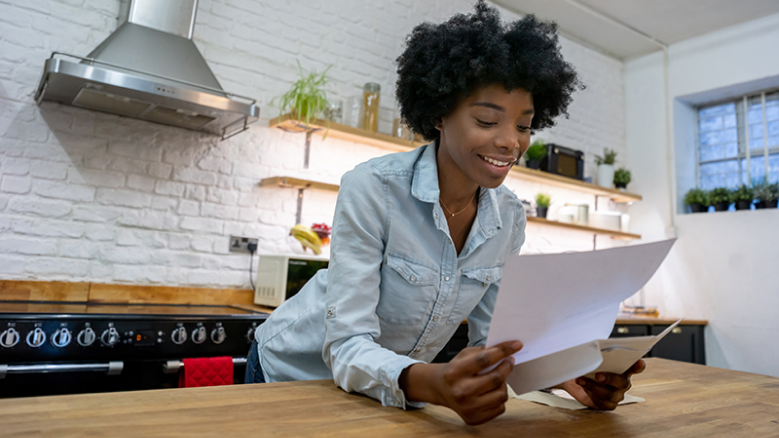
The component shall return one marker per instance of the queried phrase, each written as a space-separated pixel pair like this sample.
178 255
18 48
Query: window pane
730 121
712 181
731 150
756 168
773 168
712 153
727 108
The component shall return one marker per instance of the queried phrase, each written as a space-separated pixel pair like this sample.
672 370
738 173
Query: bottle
370 94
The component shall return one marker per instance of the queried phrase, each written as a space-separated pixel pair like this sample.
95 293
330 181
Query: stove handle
173 366
111 368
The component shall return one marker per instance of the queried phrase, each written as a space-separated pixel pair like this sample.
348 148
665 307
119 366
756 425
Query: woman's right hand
477 398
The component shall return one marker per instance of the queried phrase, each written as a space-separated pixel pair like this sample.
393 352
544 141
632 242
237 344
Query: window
738 141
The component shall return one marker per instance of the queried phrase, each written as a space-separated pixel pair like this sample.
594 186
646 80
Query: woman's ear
438 124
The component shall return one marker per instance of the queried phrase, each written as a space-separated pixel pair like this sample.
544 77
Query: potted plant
697 199
535 153
606 167
743 196
542 205
622 178
766 194
306 99
720 198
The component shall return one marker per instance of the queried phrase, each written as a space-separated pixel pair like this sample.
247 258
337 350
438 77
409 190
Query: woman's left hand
605 391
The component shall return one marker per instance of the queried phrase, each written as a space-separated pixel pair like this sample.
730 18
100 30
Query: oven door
46 378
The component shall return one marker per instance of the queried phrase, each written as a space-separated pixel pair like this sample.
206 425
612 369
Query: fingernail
516 345
600 377
513 361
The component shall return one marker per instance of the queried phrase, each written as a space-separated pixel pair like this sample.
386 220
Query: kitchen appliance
280 277
607 220
49 348
149 69
564 161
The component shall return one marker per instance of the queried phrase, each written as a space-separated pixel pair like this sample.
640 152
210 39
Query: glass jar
334 111
370 93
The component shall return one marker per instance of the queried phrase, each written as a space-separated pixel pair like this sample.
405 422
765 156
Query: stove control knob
199 335
250 335
36 338
86 337
110 337
9 338
61 338
179 336
218 335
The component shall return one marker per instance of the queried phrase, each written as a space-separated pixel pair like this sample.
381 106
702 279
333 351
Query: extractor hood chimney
149 69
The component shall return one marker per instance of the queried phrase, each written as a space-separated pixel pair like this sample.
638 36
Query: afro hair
443 63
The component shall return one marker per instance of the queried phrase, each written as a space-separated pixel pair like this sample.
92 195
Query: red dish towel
206 371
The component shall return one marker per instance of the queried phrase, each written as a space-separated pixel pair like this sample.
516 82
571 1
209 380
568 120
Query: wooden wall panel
120 293
12 290
43 291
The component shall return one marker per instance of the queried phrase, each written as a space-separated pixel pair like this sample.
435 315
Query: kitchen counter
683 400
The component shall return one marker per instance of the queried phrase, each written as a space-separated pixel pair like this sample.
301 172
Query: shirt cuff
393 395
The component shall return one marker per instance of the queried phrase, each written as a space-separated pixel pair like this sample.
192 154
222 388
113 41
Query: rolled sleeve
357 362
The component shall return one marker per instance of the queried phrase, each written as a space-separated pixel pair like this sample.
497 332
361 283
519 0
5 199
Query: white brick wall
86 196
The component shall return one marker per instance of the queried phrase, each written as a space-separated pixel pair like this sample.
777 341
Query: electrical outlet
241 244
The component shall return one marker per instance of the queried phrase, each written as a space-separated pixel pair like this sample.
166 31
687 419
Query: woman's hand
606 391
477 398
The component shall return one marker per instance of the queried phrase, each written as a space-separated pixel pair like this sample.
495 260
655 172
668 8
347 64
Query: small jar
370 94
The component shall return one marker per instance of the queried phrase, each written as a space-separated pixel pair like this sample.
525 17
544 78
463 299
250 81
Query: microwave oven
280 277
564 161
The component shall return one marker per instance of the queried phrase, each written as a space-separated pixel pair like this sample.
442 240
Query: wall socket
240 244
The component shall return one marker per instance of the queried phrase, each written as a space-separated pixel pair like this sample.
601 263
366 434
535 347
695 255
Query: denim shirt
396 289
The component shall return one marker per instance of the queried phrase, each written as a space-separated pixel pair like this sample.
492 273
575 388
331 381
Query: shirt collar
425 188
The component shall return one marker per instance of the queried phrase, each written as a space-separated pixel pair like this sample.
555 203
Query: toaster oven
280 277
564 161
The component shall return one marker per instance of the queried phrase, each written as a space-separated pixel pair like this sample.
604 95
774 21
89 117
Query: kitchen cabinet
684 343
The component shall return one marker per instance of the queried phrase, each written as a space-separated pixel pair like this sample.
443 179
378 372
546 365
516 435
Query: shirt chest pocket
474 283
407 290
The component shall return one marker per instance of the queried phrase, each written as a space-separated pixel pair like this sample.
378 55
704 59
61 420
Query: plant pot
533 164
721 206
767 204
606 175
699 208
541 211
621 186
743 205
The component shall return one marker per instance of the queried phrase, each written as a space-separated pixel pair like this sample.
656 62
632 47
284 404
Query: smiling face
484 136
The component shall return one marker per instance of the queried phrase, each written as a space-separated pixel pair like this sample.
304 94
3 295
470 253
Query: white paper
561 399
563 304
619 354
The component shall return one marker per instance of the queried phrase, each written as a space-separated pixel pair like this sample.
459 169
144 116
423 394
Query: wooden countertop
648 320
683 400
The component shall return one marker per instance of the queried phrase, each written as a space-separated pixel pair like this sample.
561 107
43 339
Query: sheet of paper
561 399
555 302
619 354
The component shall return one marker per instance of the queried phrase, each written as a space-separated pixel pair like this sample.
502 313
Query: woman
420 237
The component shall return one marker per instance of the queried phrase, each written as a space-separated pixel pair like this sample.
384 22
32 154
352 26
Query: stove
51 348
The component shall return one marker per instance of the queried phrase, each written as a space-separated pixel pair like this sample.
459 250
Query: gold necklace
455 214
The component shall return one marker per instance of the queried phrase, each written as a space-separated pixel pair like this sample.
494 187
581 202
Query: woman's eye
483 123
523 128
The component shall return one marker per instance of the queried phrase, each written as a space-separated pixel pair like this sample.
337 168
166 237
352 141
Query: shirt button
489 278
446 278
435 318
416 351
413 278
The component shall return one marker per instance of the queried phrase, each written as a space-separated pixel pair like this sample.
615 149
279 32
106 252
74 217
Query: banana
307 237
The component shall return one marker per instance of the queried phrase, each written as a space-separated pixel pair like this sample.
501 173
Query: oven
49 348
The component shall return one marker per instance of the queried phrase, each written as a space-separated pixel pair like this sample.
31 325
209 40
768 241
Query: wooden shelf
542 177
591 230
345 132
298 183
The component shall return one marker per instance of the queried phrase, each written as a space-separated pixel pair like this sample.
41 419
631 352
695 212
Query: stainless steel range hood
149 69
